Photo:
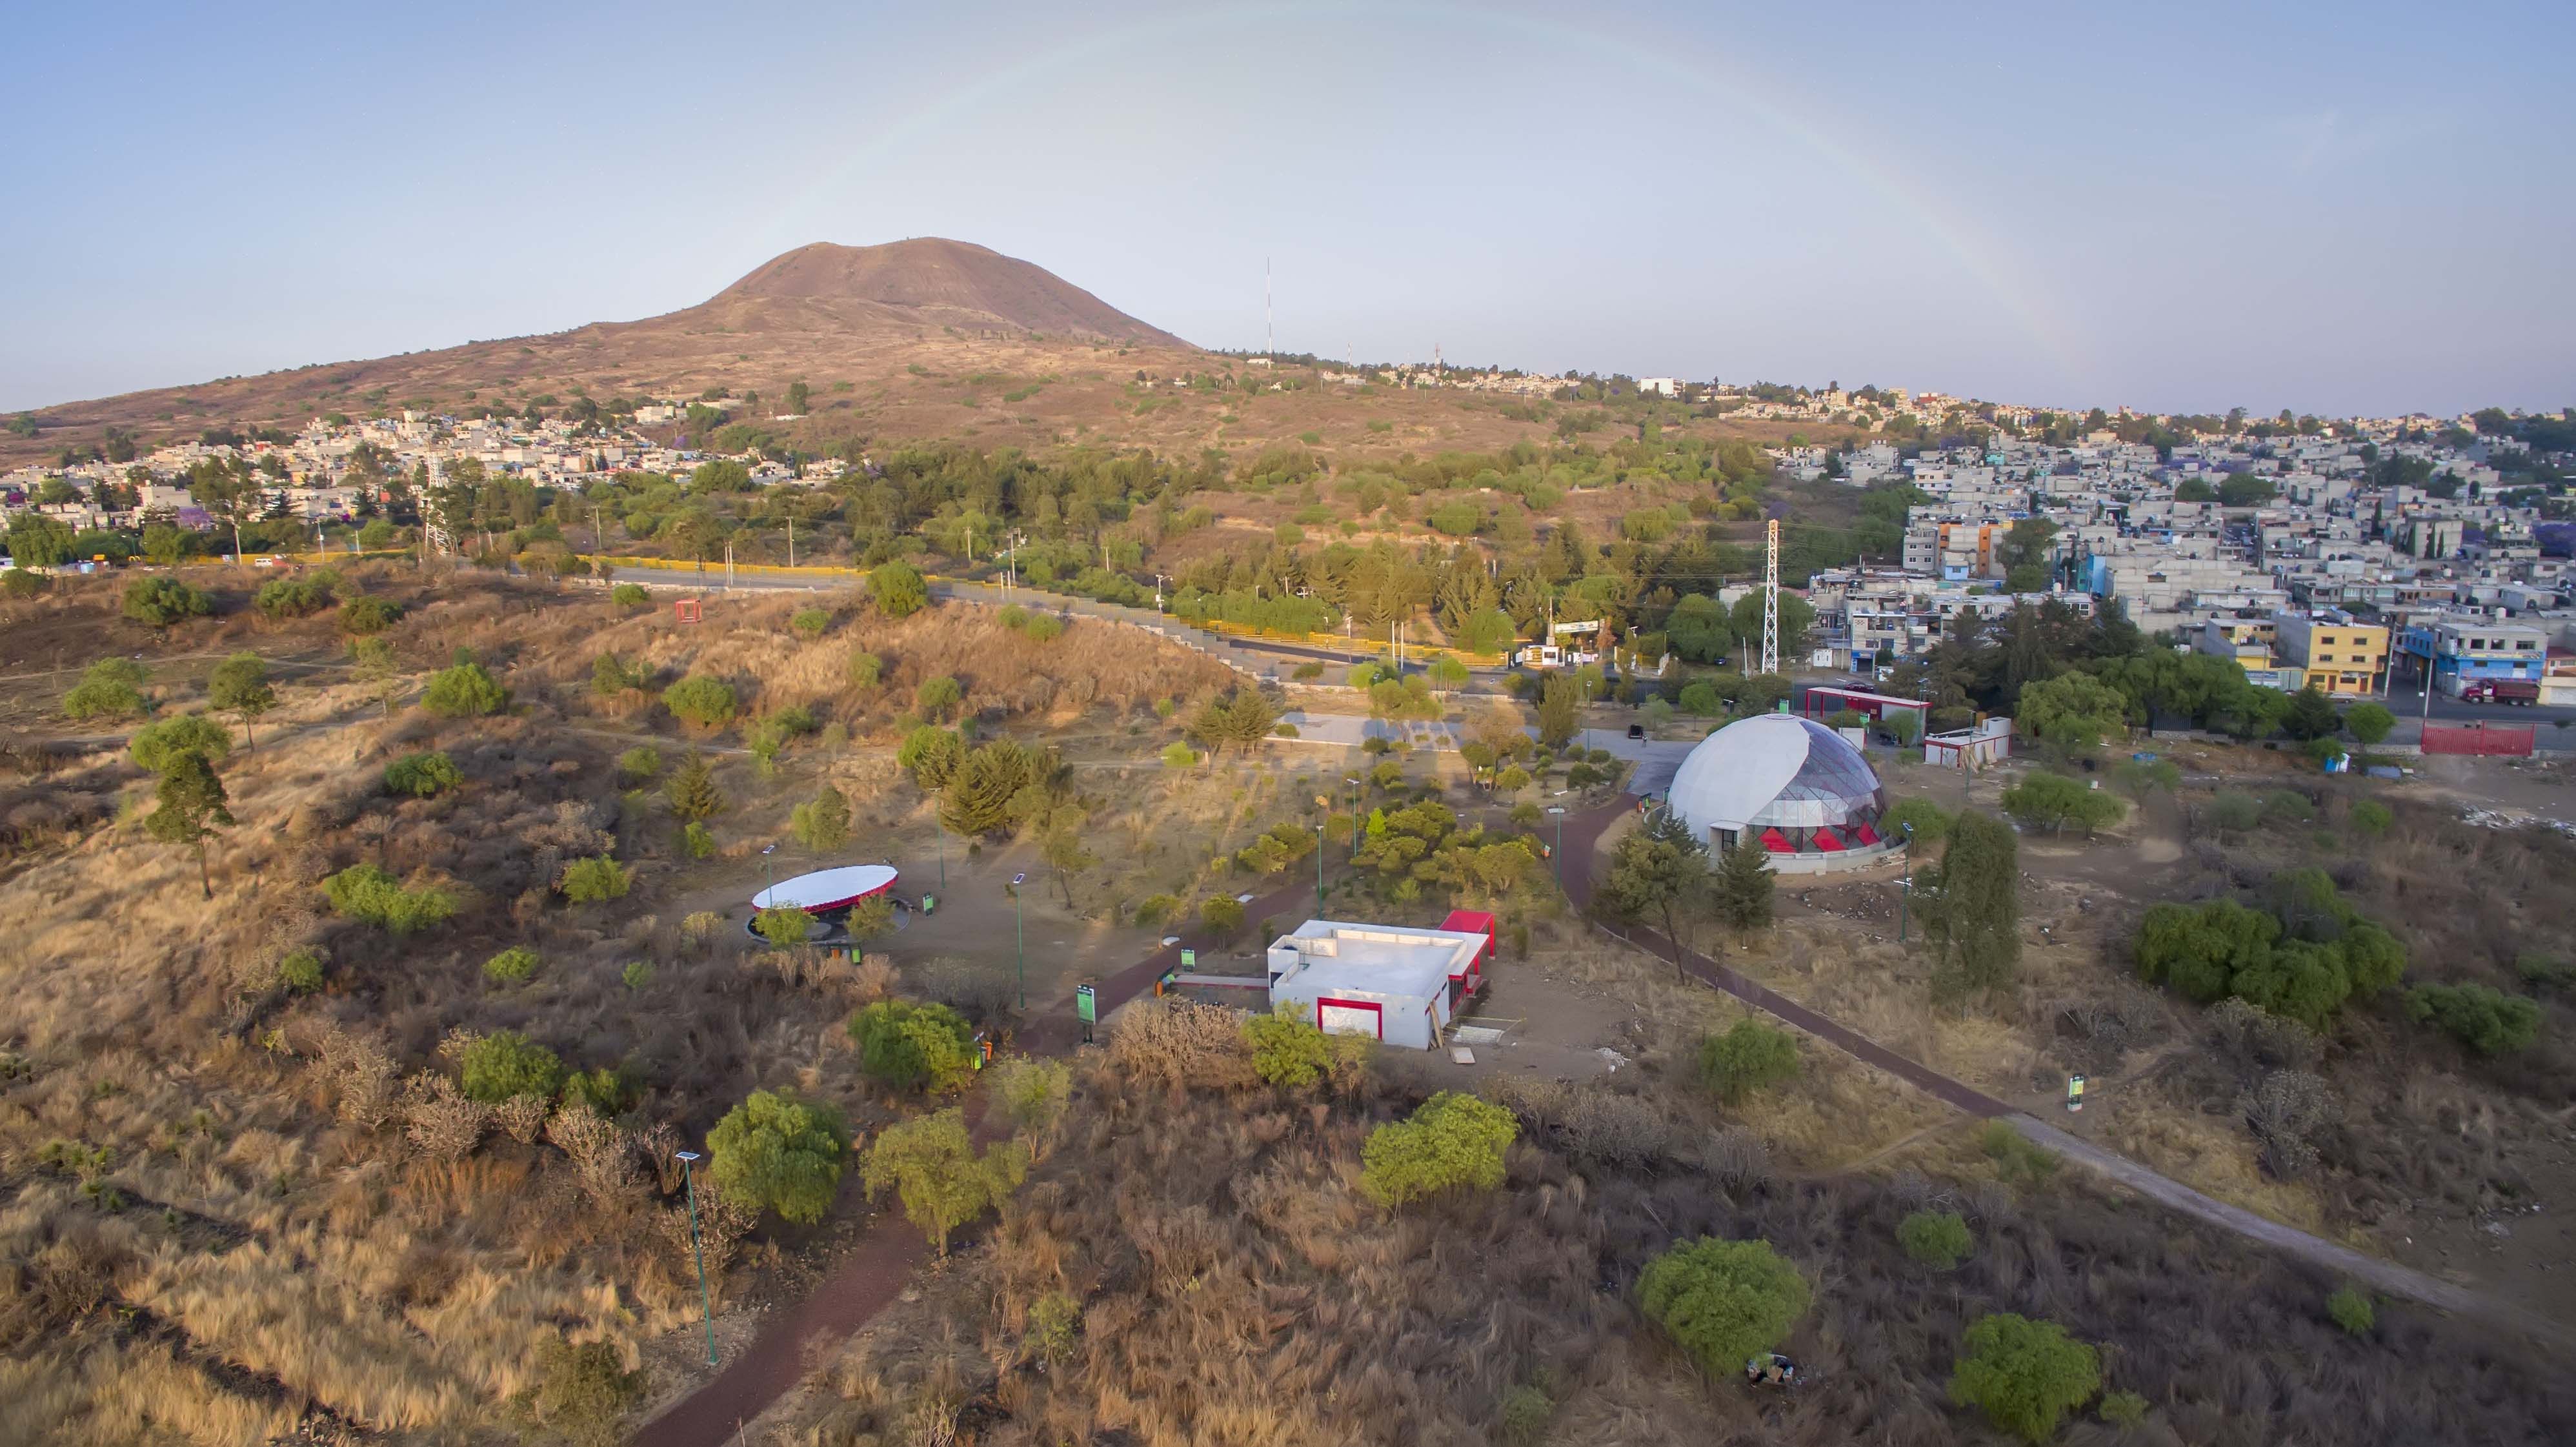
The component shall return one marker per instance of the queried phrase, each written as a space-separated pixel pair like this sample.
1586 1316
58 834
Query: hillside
909 341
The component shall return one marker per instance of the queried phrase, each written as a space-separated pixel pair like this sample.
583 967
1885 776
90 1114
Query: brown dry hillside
909 341
925 280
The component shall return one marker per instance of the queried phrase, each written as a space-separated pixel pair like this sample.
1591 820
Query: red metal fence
2481 739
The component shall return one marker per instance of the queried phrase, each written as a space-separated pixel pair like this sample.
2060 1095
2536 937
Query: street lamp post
1020 928
1357 833
1906 898
706 1302
769 872
942 831
1319 867
1558 853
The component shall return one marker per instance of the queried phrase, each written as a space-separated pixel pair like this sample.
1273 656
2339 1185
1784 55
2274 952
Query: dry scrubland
230 1206
1194 1261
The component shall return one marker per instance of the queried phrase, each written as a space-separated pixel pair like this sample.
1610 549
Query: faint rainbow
1973 252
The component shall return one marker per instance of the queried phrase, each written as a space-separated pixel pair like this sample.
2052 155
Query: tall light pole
1356 831
706 1302
769 874
1319 861
941 830
1020 928
1558 853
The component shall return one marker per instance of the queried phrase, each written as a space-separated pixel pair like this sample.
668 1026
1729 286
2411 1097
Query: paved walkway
1582 841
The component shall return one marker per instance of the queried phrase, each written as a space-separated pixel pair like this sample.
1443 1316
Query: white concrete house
1392 984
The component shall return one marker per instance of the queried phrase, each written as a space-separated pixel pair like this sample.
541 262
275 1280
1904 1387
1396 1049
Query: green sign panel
1189 959
1082 1003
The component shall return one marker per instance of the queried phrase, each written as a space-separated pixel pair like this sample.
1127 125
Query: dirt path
1583 836
793 1342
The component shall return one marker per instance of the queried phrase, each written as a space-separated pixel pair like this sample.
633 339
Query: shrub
505 1063
2288 806
932 756
1453 1141
2053 801
1750 1056
2487 1021
1153 909
1938 1239
1723 1302
18 583
866 669
606 1093
2016 1156
611 676
1306 672
1526 1410
778 1153
637 974
909 1045
1033 1091
291 597
809 623
701 700
821 824
299 971
1178 755
932 1168
1044 628
898 590
595 880
784 927
162 600
1014 616
2350 1309
2303 962
369 895
582 1393
937 696
2122 1409
2369 816
2235 812
466 690
423 775
2026 1375
640 764
697 841
1222 916
1287 1049
631 595
109 688
511 966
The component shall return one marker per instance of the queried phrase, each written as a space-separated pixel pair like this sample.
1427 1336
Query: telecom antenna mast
1269 332
1771 603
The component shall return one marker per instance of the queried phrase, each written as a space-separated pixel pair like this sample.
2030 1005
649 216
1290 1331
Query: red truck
2521 691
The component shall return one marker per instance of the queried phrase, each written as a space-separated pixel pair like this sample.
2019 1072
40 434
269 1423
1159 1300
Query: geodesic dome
1788 783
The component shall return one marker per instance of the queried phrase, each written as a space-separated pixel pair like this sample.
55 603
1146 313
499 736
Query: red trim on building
1373 1007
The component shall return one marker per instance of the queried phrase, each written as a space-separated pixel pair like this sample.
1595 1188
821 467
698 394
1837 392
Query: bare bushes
1181 1045
722 1222
439 1120
1594 1124
2285 1110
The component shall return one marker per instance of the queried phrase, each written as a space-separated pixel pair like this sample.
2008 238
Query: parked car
1636 731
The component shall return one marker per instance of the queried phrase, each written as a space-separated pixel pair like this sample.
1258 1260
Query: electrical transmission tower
1771 603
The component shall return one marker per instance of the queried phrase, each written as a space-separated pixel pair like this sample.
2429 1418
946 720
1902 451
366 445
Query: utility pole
728 565
1019 926
942 831
1556 856
791 540
1907 897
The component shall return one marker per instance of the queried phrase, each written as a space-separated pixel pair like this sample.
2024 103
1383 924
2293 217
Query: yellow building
2338 655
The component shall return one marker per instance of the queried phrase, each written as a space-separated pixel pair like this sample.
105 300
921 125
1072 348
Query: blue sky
2334 208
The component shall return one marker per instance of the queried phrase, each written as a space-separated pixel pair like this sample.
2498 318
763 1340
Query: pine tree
1557 719
1975 914
240 684
1744 888
693 793
192 804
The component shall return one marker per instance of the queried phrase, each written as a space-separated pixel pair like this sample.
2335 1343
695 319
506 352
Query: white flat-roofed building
1390 983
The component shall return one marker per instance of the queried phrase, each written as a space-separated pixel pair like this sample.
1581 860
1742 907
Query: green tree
466 690
1558 716
155 745
776 1152
422 775
1656 872
1723 1302
2053 801
240 685
1453 1141
1930 822
164 544
2350 1308
1938 1239
595 879
495 1067
932 756
1750 1056
898 590
2369 723
1744 887
2310 715
2074 711
931 1166
911 1045
377 669
692 791
2025 1375
189 804
978 798
822 824
37 541
938 697
1973 900
161 600
784 926
364 617
866 669
809 623
702 700
109 688
1287 1049
512 966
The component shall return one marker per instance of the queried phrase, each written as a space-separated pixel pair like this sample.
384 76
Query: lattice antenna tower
1269 332
1771 603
